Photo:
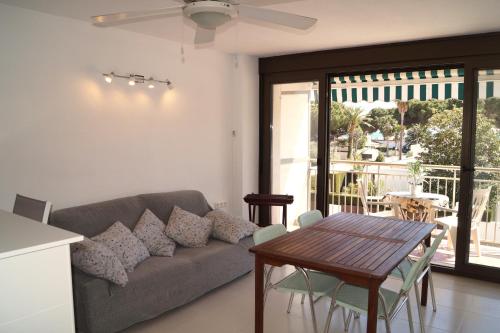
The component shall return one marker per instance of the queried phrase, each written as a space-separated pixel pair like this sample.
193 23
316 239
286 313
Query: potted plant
416 173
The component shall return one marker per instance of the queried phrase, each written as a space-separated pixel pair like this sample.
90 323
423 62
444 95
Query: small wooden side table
255 199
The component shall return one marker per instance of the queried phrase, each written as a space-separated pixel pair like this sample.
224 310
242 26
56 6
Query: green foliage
416 171
419 112
338 120
384 121
380 157
491 108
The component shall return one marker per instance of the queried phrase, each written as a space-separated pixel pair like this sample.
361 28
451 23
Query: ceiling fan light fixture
210 14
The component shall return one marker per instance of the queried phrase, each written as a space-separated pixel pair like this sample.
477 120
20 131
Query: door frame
469 52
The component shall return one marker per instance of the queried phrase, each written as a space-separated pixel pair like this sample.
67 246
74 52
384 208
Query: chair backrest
363 193
309 218
32 208
270 232
480 199
435 244
414 209
416 268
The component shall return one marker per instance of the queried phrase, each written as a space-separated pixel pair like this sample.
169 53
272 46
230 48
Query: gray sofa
158 284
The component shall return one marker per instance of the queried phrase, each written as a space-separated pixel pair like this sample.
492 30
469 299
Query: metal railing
386 177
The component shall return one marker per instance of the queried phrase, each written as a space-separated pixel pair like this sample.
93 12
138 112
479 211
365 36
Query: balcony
384 178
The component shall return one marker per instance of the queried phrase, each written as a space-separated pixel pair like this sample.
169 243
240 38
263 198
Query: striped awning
401 86
489 83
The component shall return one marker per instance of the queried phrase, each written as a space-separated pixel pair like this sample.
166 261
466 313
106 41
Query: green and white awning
402 86
489 83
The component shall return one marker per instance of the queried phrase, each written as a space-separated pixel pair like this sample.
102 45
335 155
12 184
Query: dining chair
305 220
480 198
34 209
355 298
363 194
306 282
309 218
404 267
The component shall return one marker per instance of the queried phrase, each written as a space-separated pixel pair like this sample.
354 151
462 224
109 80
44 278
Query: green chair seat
356 299
322 284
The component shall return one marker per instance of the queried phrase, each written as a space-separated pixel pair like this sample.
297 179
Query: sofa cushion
230 228
119 239
162 204
218 262
188 229
151 231
98 260
90 220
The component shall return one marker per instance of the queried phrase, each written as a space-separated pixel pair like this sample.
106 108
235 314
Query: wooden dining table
358 249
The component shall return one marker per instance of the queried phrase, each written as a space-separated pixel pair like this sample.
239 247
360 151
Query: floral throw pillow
96 259
151 231
188 229
119 239
230 228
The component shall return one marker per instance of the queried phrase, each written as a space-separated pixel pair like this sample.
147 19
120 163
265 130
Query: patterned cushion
96 259
230 228
150 230
188 229
119 239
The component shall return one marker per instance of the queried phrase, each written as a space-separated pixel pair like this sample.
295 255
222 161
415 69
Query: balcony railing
387 177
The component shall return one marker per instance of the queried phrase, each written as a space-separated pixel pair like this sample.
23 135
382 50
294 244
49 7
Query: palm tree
355 119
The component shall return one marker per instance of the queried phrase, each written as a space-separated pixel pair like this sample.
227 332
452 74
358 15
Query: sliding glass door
381 125
294 147
484 233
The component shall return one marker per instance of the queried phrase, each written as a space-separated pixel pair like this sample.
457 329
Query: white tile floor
464 306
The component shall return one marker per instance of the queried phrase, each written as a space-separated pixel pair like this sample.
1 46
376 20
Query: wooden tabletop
354 247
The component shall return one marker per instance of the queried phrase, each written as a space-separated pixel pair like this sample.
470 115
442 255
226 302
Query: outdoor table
439 200
358 249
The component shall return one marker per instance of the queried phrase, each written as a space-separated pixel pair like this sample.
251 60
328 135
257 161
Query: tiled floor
464 306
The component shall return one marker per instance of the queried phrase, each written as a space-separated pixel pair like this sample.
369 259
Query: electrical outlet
220 205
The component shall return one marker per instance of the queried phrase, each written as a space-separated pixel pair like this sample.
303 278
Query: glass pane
383 128
295 147
485 225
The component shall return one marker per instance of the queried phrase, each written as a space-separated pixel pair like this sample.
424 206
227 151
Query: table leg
284 215
259 295
371 326
425 280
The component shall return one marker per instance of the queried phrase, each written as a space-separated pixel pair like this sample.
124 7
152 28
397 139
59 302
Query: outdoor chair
404 268
480 200
302 281
34 209
355 298
363 194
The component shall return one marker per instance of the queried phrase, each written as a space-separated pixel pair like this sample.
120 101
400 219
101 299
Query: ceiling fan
208 15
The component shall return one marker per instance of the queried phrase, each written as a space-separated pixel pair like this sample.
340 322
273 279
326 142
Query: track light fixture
134 79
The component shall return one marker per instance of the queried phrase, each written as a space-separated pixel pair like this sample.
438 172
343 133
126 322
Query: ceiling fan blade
117 18
277 17
204 36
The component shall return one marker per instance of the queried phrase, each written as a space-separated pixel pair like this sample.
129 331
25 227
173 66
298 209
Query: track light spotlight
134 79
108 77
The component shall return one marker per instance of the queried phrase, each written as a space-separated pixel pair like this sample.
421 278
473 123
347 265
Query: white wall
246 132
67 136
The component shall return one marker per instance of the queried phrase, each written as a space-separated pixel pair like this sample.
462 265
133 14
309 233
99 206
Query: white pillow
230 228
150 230
188 229
119 239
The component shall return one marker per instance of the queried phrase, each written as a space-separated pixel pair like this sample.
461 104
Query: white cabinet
35 276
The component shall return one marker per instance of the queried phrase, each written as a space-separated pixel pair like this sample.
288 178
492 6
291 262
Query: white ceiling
342 23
